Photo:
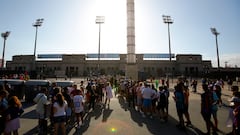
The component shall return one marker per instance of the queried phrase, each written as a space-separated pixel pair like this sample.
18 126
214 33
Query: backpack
162 99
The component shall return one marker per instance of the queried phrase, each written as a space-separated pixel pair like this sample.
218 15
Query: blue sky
69 27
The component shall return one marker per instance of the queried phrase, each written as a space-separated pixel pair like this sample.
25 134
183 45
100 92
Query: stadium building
79 65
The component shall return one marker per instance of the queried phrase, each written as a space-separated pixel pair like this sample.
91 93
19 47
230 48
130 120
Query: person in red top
74 92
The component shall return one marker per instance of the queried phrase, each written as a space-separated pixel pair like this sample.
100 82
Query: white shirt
60 111
147 93
41 100
78 103
109 92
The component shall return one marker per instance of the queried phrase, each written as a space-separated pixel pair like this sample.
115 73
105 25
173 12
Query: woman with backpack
162 104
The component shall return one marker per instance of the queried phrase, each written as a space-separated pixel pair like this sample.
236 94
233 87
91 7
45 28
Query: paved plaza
119 119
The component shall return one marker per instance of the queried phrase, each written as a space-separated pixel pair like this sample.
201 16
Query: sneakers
188 124
80 125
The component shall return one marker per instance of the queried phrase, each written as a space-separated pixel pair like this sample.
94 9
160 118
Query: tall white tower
131 57
131 66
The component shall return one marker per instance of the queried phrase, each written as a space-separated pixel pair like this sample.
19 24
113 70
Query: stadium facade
79 65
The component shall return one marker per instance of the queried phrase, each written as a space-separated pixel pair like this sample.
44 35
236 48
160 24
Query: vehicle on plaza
64 83
15 87
33 87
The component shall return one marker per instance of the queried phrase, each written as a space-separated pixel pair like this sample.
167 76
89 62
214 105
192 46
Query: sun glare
114 28
113 130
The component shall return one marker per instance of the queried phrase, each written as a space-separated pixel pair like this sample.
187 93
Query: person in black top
206 108
12 116
92 92
3 106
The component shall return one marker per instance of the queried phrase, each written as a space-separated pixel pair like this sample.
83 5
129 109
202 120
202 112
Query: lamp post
214 32
4 35
99 20
37 24
167 19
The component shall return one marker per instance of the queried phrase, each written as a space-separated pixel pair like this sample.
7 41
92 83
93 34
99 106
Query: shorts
79 114
139 100
69 111
214 113
161 106
147 102
59 119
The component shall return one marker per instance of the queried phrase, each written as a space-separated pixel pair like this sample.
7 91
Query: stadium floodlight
37 24
4 36
99 20
168 20
214 32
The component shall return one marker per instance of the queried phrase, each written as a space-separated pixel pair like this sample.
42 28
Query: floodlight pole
167 19
214 32
99 20
37 24
4 35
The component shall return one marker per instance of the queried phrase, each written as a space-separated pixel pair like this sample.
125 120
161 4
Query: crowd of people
146 98
21 76
149 98
67 102
211 100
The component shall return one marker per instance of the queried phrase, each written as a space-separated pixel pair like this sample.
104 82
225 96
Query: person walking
167 94
186 105
147 94
162 104
230 119
74 91
230 83
41 109
236 118
93 96
154 98
139 96
109 94
216 101
78 108
59 114
68 98
130 93
13 113
218 90
194 85
206 109
179 100
3 107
